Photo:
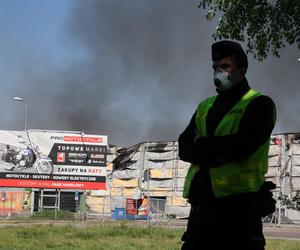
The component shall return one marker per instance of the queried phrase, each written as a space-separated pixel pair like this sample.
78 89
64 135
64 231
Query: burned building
152 170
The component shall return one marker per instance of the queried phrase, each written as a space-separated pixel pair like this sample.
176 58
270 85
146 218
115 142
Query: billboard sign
47 159
136 206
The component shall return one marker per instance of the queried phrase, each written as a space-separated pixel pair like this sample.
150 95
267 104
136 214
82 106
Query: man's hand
267 204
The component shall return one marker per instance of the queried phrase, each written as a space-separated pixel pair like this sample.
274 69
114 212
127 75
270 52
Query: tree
266 25
292 202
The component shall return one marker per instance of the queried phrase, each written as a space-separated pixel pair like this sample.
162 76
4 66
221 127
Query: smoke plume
137 69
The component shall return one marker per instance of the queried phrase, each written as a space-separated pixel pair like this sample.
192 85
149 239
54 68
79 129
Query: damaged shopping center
153 170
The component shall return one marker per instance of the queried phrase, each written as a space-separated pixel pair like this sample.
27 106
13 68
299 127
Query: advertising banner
11 202
136 206
47 159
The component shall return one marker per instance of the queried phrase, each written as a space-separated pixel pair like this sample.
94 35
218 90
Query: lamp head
16 98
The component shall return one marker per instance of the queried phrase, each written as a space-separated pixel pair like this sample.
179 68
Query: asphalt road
285 231
291 232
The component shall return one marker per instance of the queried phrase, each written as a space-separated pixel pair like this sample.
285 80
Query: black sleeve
255 128
186 146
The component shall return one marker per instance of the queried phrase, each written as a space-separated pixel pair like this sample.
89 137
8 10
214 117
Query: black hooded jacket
255 128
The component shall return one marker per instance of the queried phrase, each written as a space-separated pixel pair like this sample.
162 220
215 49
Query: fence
16 204
157 209
52 202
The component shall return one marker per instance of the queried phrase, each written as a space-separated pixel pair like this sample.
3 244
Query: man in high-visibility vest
227 142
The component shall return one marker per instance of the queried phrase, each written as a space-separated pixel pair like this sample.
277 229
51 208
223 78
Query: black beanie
222 49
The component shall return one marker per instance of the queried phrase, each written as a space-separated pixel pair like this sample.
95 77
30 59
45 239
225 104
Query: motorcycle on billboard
20 159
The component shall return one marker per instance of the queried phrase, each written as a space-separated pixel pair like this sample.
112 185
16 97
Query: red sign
134 207
12 203
83 139
52 184
131 206
61 157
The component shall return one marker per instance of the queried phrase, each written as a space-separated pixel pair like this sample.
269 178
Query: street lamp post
19 99
16 98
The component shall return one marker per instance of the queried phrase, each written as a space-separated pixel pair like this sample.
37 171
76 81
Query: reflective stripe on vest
236 177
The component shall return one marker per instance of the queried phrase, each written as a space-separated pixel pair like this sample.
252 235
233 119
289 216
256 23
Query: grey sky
133 70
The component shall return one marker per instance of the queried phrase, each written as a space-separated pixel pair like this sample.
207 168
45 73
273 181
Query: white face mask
223 80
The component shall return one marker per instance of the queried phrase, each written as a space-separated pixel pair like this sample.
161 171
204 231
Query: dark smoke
138 70
279 78
140 77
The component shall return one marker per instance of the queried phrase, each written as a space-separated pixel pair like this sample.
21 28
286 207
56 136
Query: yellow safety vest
246 175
